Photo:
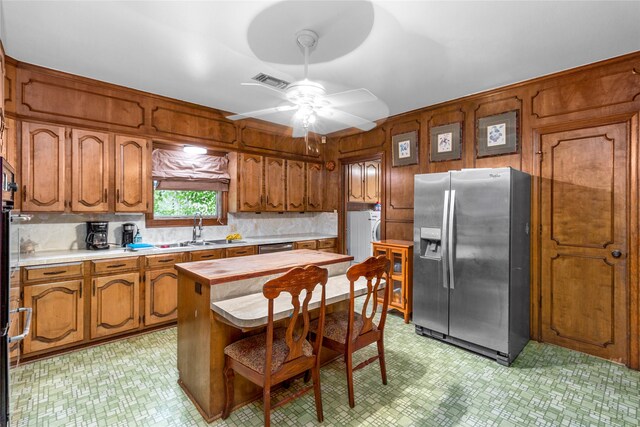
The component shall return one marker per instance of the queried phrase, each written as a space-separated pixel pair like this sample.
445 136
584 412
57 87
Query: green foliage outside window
174 203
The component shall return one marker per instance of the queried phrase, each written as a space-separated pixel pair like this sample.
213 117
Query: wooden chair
277 355
359 327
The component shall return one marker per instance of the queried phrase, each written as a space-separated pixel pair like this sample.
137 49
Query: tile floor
133 383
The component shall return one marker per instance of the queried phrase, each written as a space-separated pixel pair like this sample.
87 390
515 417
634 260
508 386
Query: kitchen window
186 184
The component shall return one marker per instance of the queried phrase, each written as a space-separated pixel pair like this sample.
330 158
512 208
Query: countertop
227 270
63 256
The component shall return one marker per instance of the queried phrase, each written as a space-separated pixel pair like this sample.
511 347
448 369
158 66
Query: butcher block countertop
232 269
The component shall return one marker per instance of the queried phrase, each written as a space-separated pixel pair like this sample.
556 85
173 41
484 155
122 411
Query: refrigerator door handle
27 324
450 238
445 283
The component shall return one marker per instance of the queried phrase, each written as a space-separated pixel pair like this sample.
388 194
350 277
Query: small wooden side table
400 253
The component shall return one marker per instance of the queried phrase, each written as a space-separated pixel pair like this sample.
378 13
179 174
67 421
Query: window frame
223 199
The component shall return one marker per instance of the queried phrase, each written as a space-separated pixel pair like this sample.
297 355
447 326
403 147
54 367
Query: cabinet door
398 275
43 168
314 187
295 186
371 189
57 317
2 74
10 144
161 296
132 174
115 304
274 184
89 171
355 172
250 183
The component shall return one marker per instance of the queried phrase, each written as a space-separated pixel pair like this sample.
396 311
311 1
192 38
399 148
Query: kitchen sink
197 243
223 242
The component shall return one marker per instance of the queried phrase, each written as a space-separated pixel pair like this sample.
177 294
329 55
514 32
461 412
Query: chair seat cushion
335 326
252 351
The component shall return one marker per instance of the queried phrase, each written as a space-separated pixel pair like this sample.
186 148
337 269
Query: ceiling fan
308 106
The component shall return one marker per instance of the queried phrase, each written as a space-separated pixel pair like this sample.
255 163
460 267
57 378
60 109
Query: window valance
177 170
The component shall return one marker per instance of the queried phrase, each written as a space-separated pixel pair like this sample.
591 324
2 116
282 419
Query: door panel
479 298
584 220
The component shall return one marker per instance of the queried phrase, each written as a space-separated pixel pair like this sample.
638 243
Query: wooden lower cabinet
57 318
115 304
400 290
161 296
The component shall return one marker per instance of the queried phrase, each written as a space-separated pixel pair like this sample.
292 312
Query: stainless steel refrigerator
471 259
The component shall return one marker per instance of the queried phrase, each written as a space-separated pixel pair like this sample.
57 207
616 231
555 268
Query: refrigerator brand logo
494 175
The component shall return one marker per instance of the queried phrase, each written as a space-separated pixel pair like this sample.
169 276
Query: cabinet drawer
241 251
114 265
207 255
163 260
326 243
55 271
305 244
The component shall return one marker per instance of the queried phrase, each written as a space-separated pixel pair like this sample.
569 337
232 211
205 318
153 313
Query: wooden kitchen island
220 301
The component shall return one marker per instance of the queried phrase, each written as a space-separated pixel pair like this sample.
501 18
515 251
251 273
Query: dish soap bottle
138 237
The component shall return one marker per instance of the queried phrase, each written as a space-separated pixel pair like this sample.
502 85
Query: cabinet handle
24 193
118 195
116 265
106 193
165 260
94 288
206 256
81 291
52 273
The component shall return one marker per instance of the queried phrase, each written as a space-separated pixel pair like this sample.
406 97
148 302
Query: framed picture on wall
498 134
445 142
405 149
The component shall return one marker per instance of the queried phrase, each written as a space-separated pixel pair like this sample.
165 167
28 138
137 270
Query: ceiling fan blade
347 119
280 93
354 96
263 112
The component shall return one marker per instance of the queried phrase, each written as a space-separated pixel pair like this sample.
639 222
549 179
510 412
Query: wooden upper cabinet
371 188
132 176
274 172
250 183
355 179
2 74
89 171
43 168
295 186
314 187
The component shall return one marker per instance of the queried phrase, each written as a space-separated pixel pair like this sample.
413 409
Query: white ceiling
408 53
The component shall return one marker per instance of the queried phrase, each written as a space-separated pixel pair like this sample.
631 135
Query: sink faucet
197 226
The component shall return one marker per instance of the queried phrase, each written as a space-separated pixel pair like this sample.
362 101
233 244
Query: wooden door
584 240
371 188
43 168
133 179
314 187
355 181
161 296
250 183
274 175
295 186
57 317
115 304
89 171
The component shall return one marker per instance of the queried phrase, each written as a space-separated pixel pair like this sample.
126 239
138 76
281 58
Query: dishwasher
275 247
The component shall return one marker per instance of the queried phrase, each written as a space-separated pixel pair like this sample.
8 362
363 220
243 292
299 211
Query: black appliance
9 187
128 231
97 232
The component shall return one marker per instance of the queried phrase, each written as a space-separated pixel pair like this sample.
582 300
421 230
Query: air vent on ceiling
270 81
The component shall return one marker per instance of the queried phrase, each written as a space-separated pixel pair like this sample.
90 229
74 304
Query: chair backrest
294 282
373 269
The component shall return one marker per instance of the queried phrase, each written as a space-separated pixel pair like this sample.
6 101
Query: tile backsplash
68 231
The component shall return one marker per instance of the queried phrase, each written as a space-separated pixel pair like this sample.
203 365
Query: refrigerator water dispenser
430 243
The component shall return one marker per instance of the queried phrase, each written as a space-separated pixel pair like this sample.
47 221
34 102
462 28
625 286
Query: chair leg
315 372
383 367
228 381
349 359
266 402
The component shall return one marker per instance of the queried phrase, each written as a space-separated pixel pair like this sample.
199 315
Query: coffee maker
128 230
97 232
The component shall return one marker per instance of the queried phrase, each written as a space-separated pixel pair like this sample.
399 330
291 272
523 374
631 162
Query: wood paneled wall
597 93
